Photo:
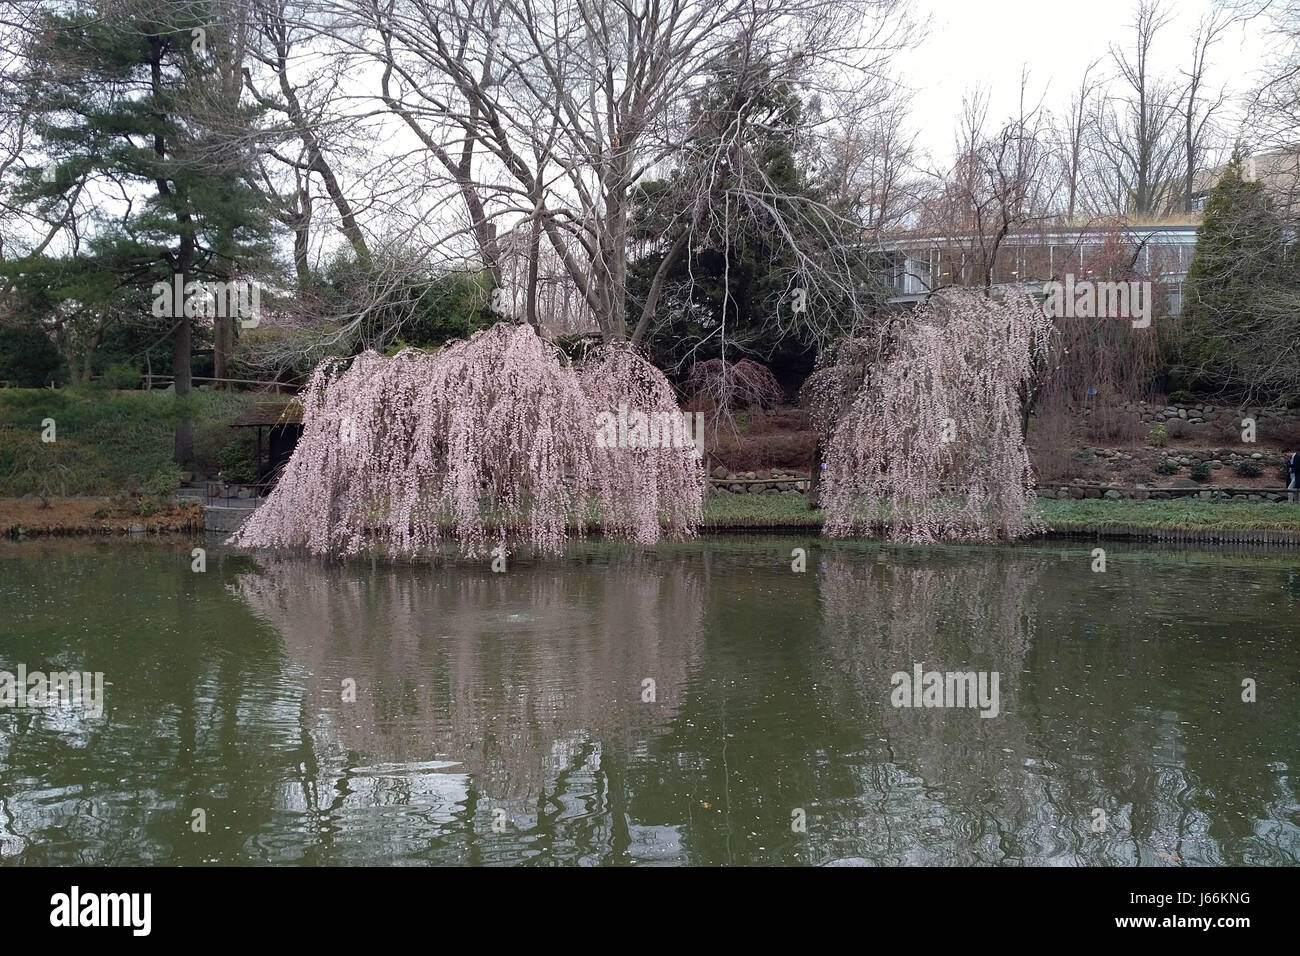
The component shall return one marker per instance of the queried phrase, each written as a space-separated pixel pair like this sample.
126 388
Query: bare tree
280 26
1139 128
554 112
870 160
1274 108
1198 107
995 187
1077 131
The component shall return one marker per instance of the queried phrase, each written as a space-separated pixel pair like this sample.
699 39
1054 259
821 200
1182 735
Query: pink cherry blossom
930 445
489 441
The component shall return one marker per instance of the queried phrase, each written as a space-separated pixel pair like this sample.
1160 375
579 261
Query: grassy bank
1175 515
1190 520
86 516
1087 515
107 441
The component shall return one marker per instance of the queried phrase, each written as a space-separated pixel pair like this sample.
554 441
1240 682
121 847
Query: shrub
104 437
743 385
163 482
1111 423
1247 468
1166 466
1181 397
1281 431
1158 436
121 377
1200 471
238 462
28 357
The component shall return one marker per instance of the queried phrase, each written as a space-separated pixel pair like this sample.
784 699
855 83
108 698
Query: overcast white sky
986 42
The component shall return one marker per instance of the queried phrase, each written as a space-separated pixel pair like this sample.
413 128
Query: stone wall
771 482
1215 423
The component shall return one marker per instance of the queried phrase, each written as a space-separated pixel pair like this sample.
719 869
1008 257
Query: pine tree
1239 259
136 102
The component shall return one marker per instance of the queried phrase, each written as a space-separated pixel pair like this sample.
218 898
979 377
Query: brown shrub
1111 423
1277 431
779 438
1050 441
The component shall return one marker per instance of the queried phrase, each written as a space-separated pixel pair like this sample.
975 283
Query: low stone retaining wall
1079 490
224 520
1260 539
772 482
1205 413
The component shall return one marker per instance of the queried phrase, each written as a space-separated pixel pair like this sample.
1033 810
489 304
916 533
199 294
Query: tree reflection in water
521 693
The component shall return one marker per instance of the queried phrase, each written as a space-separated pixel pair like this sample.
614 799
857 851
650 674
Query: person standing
1292 460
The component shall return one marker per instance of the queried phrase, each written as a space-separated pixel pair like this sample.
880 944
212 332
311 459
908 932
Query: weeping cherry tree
930 445
490 441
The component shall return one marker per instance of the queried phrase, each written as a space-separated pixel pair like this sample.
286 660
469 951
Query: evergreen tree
1239 261
136 103
740 266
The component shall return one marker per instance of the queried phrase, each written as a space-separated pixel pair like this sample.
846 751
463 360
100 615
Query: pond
695 703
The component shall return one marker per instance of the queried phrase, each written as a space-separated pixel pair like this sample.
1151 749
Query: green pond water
509 719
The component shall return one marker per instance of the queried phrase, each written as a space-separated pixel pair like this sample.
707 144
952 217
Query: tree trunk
656 287
815 479
223 343
184 262
534 253
302 237
182 374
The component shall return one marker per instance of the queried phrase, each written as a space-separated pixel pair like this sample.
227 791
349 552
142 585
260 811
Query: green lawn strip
760 511
776 511
1172 515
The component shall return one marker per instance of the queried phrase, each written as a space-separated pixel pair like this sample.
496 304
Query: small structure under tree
282 424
